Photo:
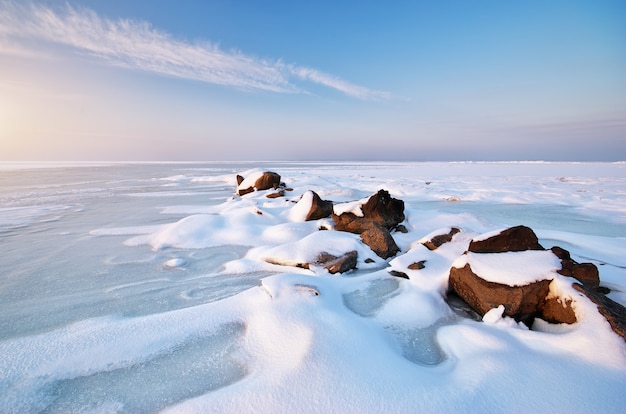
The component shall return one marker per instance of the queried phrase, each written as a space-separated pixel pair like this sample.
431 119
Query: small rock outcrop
262 181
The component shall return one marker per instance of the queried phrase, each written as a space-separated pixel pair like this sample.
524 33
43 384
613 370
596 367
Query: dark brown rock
380 209
614 312
401 228
520 302
514 239
380 241
336 264
319 208
384 210
585 273
440 239
398 273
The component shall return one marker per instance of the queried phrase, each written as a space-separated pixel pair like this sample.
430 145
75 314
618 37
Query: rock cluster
381 215
469 289
526 301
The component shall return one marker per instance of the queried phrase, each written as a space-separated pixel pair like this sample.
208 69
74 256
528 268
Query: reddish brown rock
585 273
440 239
319 208
380 241
557 310
351 223
514 239
523 303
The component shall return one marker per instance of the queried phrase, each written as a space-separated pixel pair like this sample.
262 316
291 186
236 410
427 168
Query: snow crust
512 268
120 303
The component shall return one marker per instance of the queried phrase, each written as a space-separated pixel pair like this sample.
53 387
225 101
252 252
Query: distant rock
514 239
259 181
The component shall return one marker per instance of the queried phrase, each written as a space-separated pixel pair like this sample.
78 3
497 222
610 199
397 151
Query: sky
183 80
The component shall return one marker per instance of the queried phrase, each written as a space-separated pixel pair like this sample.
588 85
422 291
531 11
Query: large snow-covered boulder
510 268
257 181
518 280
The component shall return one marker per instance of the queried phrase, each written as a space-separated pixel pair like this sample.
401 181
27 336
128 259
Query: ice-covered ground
143 287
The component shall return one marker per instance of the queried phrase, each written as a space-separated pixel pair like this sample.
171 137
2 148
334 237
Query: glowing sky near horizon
237 80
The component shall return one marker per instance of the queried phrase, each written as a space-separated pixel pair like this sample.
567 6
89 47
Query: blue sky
301 80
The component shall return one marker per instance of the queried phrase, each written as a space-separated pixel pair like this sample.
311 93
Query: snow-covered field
144 287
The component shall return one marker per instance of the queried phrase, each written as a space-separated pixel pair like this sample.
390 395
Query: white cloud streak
137 45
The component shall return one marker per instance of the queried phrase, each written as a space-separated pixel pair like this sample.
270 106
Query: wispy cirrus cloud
139 46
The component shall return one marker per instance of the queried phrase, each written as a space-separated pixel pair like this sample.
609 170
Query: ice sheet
144 287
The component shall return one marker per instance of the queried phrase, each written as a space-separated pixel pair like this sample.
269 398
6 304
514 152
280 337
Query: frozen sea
143 287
